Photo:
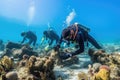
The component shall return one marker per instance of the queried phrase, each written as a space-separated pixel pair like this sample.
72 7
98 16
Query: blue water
102 17
11 29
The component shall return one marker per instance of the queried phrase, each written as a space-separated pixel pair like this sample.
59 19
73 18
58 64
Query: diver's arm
51 41
23 40
80 41
68 55
80 50
42 40
60 41
56 47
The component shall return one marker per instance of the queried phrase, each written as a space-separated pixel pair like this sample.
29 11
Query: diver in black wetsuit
29 35
51 35
77 34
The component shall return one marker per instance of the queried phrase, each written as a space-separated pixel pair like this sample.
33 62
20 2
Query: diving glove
56 48
42 40
47 48
64 44
65 56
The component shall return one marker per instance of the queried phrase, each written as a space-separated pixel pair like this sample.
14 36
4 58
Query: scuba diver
29 35
79 34
51 36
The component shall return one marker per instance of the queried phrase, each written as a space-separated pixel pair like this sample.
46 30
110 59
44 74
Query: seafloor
64 70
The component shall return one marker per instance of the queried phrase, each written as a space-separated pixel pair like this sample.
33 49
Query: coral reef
7 63
11 76
17 50
11 45
28 64
82 76
37 68
111 60
102 74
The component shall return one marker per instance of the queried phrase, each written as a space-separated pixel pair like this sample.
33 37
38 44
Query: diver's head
23 33
66 34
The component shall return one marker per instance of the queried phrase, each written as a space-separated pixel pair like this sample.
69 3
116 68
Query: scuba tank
82 27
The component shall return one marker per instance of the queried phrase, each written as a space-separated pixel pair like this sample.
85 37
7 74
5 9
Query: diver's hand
47 48
65 55
56 48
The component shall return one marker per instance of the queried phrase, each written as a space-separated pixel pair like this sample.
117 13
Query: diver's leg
34 42
57 40
93 42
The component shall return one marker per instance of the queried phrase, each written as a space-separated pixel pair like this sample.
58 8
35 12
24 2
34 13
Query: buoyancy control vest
78 28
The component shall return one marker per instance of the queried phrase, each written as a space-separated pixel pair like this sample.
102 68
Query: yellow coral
103 74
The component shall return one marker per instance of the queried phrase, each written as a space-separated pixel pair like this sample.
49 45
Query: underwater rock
82 76
32 77
96 67
56 56
97 55
59 78
92 69
38 68
27 50
11 76
18 53
70 61
11 45
7 52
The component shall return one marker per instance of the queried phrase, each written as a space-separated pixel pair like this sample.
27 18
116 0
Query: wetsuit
31 36
51 35
80 38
